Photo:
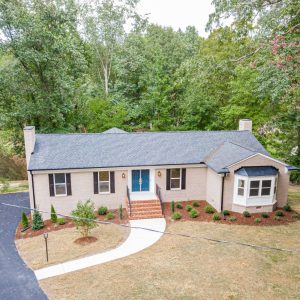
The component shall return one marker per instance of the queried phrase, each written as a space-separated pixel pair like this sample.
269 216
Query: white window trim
60 195
180 176
243 188
260 188
99 181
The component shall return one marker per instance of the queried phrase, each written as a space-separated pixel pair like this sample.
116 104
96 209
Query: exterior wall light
123 175
159 173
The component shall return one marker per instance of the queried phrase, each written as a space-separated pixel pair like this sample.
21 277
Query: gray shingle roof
71 151
257 171
114 130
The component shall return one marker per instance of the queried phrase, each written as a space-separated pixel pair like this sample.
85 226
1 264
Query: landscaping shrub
216 217
173 206
279 213
296 216
287 207
277 218
265 215
121 212
25 222
246 214
232 219
194 213
179 205
37 221
102 210
109 216
86 216
189 207
53 214
176 215
61 221
196 204
257 220
209 209
226 212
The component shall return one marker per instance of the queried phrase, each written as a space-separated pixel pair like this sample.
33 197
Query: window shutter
168 179
51 185
183 178
69 189
112 182
96 185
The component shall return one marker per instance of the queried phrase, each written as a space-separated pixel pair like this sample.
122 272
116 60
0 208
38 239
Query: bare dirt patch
85 240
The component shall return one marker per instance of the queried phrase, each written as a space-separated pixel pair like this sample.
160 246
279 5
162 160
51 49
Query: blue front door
140 180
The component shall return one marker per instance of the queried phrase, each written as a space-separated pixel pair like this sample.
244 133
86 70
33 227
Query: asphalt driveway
17 281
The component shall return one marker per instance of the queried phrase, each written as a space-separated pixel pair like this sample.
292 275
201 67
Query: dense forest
68 66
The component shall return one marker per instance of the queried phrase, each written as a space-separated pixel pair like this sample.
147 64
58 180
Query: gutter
292 168
33 193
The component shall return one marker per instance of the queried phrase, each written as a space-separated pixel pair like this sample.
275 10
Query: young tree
53 214
25 222
37 221
84 217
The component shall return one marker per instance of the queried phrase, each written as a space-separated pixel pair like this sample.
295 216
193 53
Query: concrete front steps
145 209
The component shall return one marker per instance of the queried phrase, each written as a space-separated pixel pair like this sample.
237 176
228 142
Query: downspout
222 195
33 193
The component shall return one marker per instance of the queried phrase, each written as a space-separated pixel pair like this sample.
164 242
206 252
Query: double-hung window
241 187
260 188
104 182
254 188
266 187
175 179
60 184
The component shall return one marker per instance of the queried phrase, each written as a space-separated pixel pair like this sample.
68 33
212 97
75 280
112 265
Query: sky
178 13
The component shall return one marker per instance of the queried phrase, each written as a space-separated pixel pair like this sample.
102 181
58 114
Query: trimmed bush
232 219
196 204
102 210
189 207
216 217
61 221
179 205
37 221
209 209
53 214
246 214
194 213
176 215
277 218
226 212
296 216
279 213
173 206
257 220
287 207
109 216
265 215
25 222
121 212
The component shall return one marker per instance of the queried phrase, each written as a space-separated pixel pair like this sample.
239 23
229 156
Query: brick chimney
245 124
29 137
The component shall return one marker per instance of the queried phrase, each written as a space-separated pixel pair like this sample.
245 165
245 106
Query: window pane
175 173
104 187
241 183
254 192
265 191
240 191
60 189
104 176
60 178
266 183
175 183
254 184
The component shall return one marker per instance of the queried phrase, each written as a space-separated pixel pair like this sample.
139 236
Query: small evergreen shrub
196 204
216 217
209 209
53 214
287 207
265 215
277 218
109 216
194 213
296 216
232 219
257 220
179 205
173 206
226 212
61 221
189 207
246 214
176 215
121 212
279 213
102 210
25 222
37 221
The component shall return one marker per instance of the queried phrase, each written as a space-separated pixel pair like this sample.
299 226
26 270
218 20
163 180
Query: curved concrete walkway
137 240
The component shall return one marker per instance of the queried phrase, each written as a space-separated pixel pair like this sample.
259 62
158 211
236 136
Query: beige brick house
229 169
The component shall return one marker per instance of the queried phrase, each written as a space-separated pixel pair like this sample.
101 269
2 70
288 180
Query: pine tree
37 221
53 214
25 222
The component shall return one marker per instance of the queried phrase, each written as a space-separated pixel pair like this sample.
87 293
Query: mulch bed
85 240
241 220
49 226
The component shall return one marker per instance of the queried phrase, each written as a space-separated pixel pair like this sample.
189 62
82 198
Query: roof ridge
254 151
